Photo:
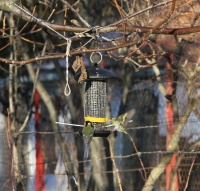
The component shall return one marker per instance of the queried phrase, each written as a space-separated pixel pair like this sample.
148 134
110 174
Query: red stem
39 176
170 129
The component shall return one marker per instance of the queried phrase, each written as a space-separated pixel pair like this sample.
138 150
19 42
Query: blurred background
158 76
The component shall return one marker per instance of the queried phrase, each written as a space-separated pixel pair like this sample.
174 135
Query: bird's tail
86 152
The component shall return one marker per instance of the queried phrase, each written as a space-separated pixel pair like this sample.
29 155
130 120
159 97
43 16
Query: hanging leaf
83 75
76 65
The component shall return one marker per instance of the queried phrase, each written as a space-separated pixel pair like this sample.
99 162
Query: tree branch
11 7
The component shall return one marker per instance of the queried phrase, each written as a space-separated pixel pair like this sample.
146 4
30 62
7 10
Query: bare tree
136 39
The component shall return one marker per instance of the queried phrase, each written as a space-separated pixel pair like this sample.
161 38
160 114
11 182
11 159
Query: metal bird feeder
95 98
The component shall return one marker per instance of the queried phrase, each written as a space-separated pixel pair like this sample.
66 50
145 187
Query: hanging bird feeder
95 99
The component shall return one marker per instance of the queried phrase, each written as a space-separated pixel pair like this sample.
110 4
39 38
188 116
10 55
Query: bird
121 121
88 132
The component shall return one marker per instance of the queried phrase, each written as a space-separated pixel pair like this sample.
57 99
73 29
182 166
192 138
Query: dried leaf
83 75
76 65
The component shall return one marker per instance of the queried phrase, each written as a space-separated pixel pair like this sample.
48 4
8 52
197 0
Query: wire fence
186 154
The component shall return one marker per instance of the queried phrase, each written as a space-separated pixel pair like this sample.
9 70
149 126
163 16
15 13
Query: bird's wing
128 116
124 117
121 118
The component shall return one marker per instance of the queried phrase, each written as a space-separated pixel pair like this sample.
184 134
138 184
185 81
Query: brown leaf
83 75
76 65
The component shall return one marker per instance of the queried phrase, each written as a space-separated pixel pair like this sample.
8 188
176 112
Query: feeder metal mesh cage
95 100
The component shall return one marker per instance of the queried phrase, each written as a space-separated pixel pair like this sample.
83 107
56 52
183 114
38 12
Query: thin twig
78 15
139 157
189 173
14 36
10 146
8 135
115 166
39 20
139 12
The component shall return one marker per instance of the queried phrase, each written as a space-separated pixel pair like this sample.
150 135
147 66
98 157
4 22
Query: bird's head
88 123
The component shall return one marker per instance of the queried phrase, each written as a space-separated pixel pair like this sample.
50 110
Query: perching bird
87 132
122 121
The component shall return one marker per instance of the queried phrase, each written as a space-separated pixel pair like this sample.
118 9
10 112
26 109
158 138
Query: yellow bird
121 122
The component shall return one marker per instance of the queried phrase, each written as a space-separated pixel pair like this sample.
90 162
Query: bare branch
115 166
78 15
11 7
139 157
189 173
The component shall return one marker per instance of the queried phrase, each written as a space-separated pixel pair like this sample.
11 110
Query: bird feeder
95 99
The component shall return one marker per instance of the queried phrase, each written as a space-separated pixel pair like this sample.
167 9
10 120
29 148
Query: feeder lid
97 73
